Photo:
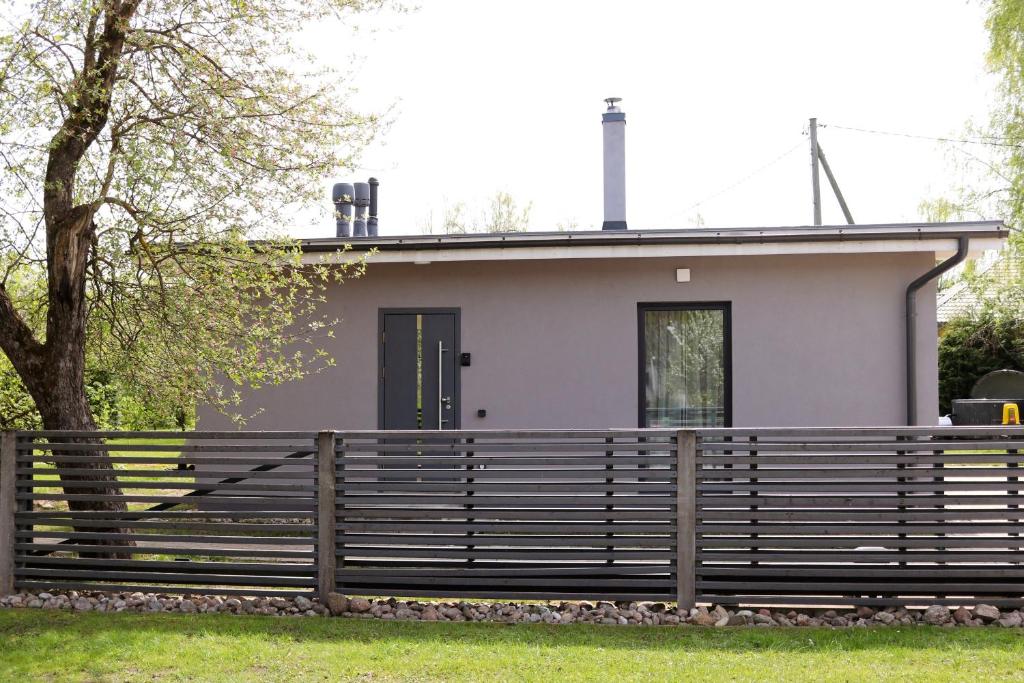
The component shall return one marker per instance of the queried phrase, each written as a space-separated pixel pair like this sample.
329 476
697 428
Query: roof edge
880 231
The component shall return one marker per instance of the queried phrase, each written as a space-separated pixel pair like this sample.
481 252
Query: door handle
441 398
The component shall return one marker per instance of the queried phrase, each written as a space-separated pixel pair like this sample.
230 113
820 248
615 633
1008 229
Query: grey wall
817 340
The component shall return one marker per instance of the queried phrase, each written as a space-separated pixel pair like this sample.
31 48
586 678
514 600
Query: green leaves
211 141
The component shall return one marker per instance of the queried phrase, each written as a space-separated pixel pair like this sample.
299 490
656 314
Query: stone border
622 613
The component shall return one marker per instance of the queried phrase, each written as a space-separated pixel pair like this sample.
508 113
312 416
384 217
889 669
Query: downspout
963 242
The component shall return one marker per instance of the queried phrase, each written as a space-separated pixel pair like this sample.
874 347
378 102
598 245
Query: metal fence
252 533
860 516
734 516
526 515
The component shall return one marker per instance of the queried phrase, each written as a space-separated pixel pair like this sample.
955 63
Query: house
967 298
745 327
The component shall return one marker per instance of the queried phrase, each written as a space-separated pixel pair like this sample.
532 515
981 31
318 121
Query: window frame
645 306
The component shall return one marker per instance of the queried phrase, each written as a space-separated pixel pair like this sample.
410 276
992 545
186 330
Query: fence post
325 521
686 522
8 490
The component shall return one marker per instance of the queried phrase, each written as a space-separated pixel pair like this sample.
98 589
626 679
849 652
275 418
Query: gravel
620 613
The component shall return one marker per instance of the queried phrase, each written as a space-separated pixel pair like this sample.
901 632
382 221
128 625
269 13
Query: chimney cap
612 101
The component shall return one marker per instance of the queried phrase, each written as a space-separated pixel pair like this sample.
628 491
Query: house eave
939 238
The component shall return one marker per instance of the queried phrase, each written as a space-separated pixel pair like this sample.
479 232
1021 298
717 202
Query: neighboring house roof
921 237
961 299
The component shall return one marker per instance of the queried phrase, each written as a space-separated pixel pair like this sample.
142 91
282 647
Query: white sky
507 95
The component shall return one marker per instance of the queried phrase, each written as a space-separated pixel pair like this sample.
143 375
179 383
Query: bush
970 347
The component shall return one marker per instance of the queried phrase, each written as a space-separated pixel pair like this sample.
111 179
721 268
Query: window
685 374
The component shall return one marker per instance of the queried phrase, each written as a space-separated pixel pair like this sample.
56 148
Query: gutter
921 232
963 243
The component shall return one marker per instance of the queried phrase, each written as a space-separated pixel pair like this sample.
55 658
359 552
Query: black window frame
642 308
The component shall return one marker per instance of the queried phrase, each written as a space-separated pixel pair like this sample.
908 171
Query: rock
987 613
619 613
359 605
936 615
703 618
885 617
1011 620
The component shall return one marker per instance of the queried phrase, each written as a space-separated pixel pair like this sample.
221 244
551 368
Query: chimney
613 125
341 195
371 222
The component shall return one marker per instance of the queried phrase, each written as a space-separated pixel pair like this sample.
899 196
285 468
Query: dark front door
419 369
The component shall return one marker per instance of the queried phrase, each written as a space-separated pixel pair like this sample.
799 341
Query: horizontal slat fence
523 515
889 516
877 516
226 513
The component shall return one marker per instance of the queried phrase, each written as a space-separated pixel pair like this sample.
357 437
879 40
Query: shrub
973 346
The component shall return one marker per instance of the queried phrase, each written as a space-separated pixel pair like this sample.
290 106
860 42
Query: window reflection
684 367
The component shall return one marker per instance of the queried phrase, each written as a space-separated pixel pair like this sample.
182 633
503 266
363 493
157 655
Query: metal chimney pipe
341 195
361 198
371 222
613 125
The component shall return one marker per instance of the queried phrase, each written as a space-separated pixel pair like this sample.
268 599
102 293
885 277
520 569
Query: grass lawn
43 645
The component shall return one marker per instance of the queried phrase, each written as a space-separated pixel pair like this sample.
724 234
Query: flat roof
889 237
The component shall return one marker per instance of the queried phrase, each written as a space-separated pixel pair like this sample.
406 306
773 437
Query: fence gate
222 513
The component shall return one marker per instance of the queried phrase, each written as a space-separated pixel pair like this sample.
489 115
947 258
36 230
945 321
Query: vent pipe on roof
371 222
361 199
613 125
341 195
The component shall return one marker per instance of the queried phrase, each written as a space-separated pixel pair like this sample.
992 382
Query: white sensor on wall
682 274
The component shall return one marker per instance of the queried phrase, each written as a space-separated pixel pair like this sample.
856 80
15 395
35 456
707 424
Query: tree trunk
62 403
54 371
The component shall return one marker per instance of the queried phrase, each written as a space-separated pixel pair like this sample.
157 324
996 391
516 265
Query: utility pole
818 157
815 185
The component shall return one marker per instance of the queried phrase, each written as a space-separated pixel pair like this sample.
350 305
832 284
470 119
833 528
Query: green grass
43 645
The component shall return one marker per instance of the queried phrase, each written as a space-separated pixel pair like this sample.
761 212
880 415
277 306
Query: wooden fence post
325 522
8 489
686 522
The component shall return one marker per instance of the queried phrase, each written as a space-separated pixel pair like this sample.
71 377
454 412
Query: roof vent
355 208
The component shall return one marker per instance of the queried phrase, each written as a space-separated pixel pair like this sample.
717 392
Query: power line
981 140
748 176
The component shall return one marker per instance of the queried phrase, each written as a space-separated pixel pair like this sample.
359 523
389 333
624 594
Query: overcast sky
503 95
